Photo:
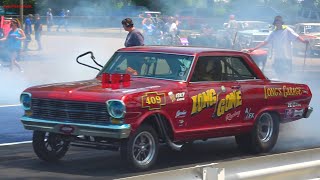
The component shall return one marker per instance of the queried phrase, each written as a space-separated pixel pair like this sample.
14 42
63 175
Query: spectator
146 19
14 41
232 23
134 37
27 31
149 31
66 20
281 39
173 29
173 32
232 28
49 20
38 30
61 20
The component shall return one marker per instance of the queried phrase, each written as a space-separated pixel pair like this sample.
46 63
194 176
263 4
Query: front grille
69 110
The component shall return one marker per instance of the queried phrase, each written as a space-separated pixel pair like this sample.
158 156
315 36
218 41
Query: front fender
147 114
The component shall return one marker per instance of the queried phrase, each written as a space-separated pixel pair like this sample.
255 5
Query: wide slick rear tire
263 136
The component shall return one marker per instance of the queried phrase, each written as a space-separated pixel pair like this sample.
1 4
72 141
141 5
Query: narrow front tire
49 147
141 149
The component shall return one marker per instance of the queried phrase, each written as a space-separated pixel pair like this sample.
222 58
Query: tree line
165 6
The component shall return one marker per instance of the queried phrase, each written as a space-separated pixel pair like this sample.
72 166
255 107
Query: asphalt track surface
17 161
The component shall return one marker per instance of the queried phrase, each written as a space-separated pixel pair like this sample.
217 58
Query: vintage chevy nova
147 96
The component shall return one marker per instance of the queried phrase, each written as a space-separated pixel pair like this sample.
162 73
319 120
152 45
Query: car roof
152 12
186 50
309 24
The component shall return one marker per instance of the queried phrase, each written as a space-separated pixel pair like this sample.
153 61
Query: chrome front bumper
308 112
70 128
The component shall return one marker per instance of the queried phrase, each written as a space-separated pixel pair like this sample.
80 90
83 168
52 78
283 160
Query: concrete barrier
295 165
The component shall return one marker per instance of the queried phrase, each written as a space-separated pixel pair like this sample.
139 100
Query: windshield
312 29
151 65
247 25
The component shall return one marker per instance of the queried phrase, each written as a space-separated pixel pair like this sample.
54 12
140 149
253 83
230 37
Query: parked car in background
250 34
311 32
151 95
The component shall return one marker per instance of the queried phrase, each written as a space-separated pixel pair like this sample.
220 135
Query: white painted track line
15 143
10 105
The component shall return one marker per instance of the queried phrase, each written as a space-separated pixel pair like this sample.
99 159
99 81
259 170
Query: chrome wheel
263 136
265 127
53 143
144 148
49 146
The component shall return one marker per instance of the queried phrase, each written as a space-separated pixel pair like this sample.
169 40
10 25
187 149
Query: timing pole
21 12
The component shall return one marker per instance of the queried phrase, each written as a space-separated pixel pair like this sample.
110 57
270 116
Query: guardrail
298 165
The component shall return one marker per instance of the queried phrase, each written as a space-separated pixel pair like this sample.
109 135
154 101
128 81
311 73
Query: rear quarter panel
288 100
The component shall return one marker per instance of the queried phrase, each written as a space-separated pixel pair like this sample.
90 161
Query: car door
251 87
216 102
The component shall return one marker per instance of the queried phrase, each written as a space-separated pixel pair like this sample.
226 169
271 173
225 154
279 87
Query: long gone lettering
203 100
231 101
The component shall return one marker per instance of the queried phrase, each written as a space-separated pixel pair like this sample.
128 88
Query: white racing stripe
15 143
10 105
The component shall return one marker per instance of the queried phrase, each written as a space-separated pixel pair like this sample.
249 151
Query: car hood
92 90
311 35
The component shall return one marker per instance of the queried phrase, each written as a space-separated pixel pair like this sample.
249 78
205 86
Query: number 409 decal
153 100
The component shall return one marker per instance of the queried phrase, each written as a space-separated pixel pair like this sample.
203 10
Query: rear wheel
141 149
49 146
263 137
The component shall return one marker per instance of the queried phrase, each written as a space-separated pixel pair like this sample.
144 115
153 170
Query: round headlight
25 100
116 108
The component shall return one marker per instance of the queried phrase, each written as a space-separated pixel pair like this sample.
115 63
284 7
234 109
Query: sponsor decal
249 114
66 129
293 104
172 96
209 98
180 96
181 122
177 96
298 113
183 70
289 113
294 113
181 114
230 116
282 92
153 100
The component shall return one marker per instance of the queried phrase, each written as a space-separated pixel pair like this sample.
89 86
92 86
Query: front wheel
141 150
49 146
263 136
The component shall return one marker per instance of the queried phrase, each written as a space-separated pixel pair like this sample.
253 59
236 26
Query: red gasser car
146 96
